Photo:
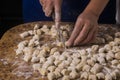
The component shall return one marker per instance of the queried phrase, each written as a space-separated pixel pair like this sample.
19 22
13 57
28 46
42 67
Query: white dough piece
36 66
51 76
36 26
96 68
100 75
92 77
84 75
24 34
117 34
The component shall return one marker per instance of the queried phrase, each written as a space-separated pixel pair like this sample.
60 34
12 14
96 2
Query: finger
83 34
89 37
49 9
57 5
75 33
93 37
41 2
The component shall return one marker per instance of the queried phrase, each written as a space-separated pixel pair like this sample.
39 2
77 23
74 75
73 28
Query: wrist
95 7
91 13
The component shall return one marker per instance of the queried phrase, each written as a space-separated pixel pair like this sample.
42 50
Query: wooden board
9 42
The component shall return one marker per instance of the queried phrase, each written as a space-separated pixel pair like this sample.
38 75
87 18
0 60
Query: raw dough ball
27 57
36 53
74 75
31 32
110 53
43 71
36 37
115 62
116 49
51 68
108 77
84 75
62 58
76 61
57 62
82 63
102 50
96 68
47 64
102 55
107 47
95 48
117 41
112 43
39 32
36 66
71 68
117 55
117 34
19 51
36 27
101 60
51 76
82 52
22 45
65 72
24 34
60 44
45 29
109 58
53 50
100 75
35 59
113 75
118 66
90 62
92 77
42 60
31 43
66 78
57 73
86 68
46 48
108 37
56 53
99 40
27 53
65 34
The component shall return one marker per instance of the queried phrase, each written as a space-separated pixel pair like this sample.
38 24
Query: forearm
96 7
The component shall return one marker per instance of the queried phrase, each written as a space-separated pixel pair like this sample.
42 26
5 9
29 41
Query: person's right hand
85 29
52 6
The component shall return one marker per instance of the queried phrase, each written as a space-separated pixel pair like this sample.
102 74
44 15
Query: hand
52 6
84 31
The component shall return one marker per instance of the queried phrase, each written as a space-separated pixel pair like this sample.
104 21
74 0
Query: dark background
10 14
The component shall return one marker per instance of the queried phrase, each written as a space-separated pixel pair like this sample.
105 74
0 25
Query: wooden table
9 42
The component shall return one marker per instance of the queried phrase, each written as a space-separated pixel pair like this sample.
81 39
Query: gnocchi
89 63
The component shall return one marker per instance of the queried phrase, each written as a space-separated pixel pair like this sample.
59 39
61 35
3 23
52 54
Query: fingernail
67 44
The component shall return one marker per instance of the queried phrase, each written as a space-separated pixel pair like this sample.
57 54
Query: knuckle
80 19
88 22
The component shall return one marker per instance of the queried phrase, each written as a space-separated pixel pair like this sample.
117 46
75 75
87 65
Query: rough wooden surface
9 42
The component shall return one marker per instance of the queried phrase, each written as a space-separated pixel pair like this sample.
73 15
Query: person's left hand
84 31
52 6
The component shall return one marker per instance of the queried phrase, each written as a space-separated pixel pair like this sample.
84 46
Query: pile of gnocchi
48 56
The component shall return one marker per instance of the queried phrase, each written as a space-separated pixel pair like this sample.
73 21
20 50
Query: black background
10 14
